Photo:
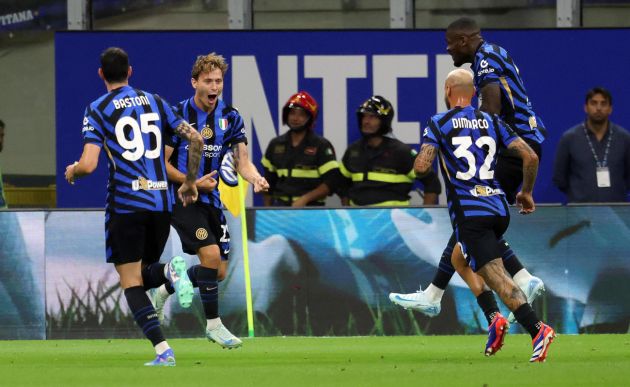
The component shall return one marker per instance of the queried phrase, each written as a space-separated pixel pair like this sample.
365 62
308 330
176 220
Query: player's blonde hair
207 63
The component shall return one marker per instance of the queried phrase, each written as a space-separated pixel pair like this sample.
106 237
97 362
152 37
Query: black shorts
509 170
199 225
480 236
136 236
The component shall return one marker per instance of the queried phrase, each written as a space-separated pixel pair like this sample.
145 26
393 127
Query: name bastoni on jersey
123 103
148 185
465 123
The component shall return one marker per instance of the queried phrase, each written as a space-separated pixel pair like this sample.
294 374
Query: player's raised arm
424 161
247 169
530 170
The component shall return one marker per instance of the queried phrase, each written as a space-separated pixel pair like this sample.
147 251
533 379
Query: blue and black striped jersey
131 124
468 140
220 129
493 64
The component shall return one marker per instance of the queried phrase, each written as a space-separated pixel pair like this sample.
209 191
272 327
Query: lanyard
604 163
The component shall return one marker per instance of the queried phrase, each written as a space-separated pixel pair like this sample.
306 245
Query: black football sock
526 316
153 276
488 304
208 290
445 269
510 260
144 314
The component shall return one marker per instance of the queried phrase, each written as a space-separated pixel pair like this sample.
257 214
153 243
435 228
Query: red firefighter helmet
304 101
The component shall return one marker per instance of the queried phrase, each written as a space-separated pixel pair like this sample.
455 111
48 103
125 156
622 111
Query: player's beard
448 105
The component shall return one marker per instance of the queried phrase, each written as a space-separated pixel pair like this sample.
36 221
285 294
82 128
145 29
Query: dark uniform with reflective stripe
382 176
295 171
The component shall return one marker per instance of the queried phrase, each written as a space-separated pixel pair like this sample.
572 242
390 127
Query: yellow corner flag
230 197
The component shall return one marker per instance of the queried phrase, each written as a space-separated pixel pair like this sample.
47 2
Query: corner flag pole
248 283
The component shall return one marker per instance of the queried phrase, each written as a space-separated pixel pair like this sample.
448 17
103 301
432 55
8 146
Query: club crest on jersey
148 185
223 123
201 234
206 132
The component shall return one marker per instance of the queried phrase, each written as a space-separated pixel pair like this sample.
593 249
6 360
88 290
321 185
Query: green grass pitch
584 360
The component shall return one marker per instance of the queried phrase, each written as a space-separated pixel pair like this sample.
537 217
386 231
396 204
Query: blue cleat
177 275
541 343
166 359
496 334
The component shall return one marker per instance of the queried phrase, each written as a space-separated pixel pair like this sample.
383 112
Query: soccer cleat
158 298
541 343
223 337
166 359
416 301
496 334
177 275
535 287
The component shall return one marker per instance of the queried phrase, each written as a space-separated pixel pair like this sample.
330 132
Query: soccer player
202 227
467 140
131 124
500 91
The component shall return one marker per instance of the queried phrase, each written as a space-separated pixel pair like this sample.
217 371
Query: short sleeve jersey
468 140
493 64
130 124
221 129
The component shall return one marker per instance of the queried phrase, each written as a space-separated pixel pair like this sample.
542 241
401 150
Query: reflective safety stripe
328 166
388 177
344 171
301 173
305 173
412 175
357 176
389 203
267 164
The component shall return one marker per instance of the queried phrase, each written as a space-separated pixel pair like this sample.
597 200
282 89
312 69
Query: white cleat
158 297
416 301
535 287
223 337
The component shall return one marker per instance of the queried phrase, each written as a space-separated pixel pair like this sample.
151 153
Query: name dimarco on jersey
123 103
465 123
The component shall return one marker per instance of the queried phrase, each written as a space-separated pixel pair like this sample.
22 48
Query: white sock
522 278
162 292
213 323
161 347
434 293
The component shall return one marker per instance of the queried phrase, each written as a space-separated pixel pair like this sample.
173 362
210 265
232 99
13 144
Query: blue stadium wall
341 69
316 272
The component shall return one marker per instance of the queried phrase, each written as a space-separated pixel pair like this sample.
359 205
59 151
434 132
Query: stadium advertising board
340 69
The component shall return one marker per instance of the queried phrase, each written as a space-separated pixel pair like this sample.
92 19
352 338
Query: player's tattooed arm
247 169
184 130
530 163
491 99
424 160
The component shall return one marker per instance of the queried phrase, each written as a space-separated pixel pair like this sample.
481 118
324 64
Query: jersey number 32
462 151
